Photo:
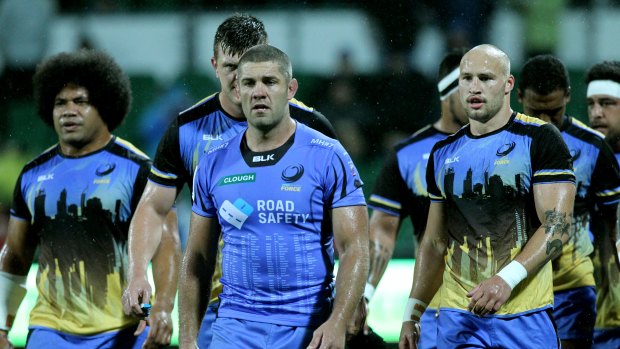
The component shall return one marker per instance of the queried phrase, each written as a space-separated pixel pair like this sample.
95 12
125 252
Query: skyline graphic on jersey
486 214
75 247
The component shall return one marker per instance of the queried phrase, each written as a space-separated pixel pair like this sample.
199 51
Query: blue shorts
574 312
428 325
231 333
47 338
462 329
204 333
606 339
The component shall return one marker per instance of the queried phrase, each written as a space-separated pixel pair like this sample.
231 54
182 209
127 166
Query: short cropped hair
238 33
607 70
450 61
267 53
109 89
544 74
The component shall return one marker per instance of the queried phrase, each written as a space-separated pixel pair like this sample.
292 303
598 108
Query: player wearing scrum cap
400 190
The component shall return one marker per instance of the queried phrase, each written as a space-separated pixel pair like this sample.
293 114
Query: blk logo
263 158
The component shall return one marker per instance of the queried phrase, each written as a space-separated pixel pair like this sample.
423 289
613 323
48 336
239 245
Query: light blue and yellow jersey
79 209
607 276
485 184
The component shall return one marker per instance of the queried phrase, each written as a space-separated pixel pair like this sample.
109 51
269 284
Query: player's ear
293 85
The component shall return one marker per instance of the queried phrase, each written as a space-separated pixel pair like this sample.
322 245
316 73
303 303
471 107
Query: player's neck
494 123
79 149
232 108
264 140
446 123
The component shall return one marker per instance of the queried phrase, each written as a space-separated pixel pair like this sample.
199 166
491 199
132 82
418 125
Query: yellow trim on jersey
300 104
585 127
529 119
608 192
131 147
162 175
553 173
378 200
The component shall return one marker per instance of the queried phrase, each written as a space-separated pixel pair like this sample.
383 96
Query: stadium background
165 47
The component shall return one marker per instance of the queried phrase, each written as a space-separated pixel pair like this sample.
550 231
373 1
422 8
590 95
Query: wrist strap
414 310
513 273
369 291
12 291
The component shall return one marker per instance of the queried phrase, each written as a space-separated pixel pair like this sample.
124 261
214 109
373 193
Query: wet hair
607 70
544 74
267 53
450 61
108 87
238 33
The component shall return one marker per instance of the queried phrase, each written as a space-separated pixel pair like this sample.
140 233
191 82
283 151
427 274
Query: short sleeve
168 169
551 159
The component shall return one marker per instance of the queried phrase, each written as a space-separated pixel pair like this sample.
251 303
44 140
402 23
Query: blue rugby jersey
486 186
80 209
205 126
274 208
598 183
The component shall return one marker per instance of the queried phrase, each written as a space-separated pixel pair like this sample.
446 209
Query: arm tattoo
379 258
556 224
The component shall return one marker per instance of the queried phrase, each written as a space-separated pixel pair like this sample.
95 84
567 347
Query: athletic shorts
231 333
204 333
462 329
607 338
574 312
47 338
428 325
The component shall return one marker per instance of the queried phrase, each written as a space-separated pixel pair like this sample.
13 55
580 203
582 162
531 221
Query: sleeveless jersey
485 184
80 209
274 209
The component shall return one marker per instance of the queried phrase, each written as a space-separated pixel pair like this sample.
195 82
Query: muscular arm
429 266
350 225
554 207
428 273
165 274
145 238
195 279
382 235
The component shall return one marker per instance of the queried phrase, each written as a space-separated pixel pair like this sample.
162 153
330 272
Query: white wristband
513 273
12 291
369 291
414 310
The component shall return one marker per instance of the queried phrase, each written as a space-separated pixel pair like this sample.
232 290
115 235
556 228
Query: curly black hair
544 74
108 87
606 70
238 33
